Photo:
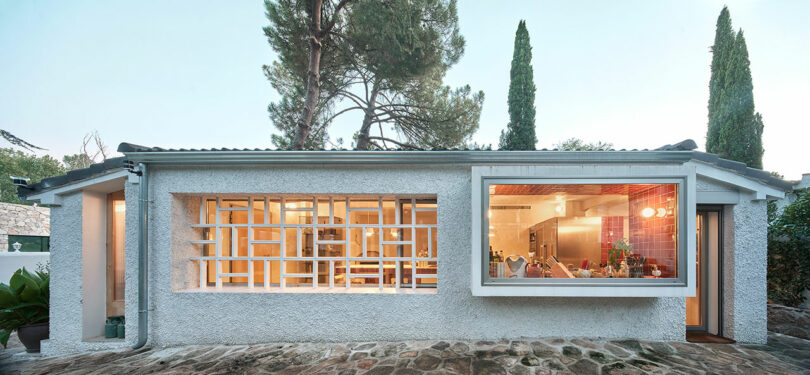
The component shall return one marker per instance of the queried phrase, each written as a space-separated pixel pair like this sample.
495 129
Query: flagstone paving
782 355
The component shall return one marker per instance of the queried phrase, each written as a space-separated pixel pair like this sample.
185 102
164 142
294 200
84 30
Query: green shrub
25 300
789 252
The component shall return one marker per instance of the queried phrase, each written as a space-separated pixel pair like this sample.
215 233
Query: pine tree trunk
362 136
304 123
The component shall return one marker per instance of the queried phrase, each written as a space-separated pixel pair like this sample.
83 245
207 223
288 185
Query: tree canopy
735 128
18 163
520 132
387 61
576 144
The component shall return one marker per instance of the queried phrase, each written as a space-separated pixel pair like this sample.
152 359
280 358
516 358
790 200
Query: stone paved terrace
782 355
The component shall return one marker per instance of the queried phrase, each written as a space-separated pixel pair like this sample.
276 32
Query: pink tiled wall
655 237
614 225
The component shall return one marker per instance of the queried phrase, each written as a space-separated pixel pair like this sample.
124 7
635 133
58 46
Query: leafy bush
25 300
789 252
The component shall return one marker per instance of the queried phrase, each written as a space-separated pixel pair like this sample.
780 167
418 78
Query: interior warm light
558 208
394 233
489 213
661 212
119 206
291 205
492 234
647 212
369 233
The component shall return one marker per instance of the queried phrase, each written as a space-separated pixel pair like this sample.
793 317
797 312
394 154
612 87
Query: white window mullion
380 236
348 273
314 242
282 281
413 243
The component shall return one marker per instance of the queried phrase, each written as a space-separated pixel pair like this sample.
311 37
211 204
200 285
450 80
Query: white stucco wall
70 310
745 270
209 317
183 317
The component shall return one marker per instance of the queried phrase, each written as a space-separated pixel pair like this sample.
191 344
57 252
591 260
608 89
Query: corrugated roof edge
681 151
74 175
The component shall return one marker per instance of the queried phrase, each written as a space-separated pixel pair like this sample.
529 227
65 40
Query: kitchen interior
569 231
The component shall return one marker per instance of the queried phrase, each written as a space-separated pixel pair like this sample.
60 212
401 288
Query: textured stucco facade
745 270
181 314
186 317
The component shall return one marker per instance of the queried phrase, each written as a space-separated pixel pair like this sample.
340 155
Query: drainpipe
143 257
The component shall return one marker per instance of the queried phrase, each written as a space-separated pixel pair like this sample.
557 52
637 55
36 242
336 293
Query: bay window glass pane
583 230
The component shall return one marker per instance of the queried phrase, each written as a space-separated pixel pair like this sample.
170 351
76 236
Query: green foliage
576 144
620 248
387 61
18 163
520 132
288 35
24 301
789 252
76 161
735 128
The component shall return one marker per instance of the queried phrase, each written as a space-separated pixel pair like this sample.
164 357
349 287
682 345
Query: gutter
405 157
143 256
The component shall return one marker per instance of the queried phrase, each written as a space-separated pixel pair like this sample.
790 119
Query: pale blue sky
188 73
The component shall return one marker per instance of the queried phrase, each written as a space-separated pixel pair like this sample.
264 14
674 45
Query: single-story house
247 246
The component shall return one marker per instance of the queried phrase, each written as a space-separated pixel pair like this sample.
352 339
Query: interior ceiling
593 189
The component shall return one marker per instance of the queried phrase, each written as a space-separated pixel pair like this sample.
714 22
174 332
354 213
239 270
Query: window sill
664 290
307 290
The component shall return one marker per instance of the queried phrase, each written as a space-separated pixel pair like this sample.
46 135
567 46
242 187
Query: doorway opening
116 210
704 311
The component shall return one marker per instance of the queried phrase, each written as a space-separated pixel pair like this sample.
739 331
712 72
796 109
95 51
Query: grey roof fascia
71 176
406 157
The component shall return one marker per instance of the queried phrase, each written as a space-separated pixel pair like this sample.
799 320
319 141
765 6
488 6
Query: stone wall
18 219
789 321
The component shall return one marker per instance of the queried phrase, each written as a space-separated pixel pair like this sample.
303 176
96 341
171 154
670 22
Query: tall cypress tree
721 51
735 128
520 133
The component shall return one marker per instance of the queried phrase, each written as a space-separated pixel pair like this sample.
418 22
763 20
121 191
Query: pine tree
735 128
520 132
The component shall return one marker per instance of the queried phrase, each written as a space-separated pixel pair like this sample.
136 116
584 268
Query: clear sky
188 73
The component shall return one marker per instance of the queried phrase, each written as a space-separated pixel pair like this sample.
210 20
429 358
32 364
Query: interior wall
94 264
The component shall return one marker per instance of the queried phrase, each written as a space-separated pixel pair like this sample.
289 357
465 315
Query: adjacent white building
248 246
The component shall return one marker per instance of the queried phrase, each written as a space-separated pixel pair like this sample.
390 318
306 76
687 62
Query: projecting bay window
321 243
588 232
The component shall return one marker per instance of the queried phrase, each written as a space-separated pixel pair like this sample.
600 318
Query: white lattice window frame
399 261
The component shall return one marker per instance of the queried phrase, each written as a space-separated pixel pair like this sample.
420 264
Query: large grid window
317 242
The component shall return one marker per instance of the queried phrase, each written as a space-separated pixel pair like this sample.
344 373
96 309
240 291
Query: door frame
704 210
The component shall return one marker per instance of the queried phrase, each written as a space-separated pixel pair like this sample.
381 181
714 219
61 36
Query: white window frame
683 286
218 258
